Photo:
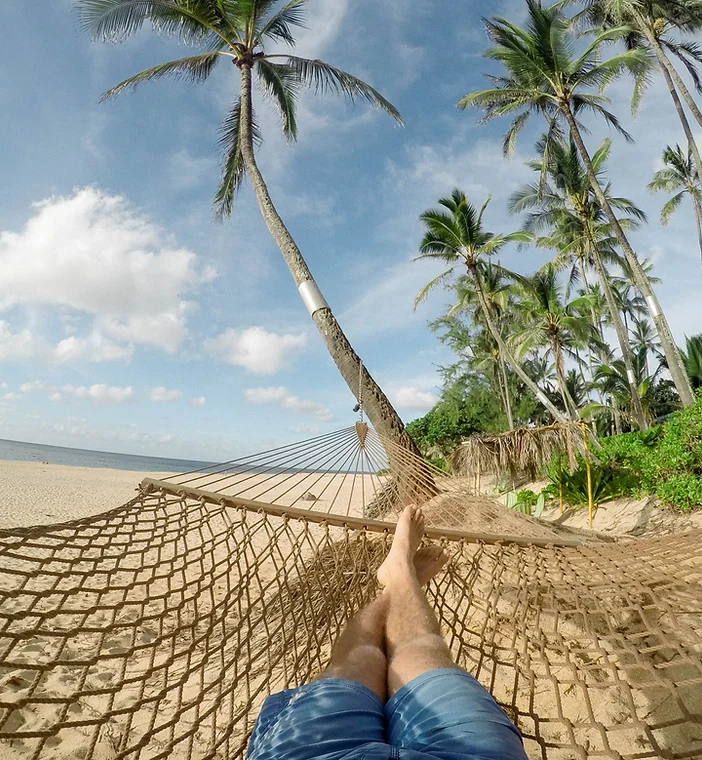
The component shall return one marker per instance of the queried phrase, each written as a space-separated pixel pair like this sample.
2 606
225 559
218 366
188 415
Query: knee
368 655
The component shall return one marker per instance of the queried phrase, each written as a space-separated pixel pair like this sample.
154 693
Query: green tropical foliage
606 481
692 356
467 406
667 461
546 72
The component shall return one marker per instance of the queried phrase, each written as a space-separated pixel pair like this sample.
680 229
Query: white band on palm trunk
631 376
653 307
312 296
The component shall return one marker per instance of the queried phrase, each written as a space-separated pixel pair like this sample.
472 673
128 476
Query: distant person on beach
392 690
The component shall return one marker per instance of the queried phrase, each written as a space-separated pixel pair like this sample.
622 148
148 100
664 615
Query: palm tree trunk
568 402
505 385
497 383
692 145
506 353
675 365
380 411
617 417
593 317
622 337
698 220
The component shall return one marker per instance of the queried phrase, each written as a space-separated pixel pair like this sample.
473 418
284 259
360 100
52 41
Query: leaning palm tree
562 205
649 24
455 236
554 323
545 76
239 32
681 177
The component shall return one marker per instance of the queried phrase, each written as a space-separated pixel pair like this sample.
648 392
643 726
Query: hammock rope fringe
157 629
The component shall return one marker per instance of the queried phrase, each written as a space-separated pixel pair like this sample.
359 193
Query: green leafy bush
684 491
526 501
665 460
527 496
608 481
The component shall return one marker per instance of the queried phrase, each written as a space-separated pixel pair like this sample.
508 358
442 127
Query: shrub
665 460
527 496
608 481
524 501
683 491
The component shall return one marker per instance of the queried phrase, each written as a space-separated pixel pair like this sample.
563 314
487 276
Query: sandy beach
35 493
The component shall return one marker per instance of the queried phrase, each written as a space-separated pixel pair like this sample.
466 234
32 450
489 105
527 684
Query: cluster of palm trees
548 330
570 209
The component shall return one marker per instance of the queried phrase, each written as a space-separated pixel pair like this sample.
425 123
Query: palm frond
281 84
233 169
509 142
277 28
322 78
684 51
194 68
115 20
436 281
600 156
593 103
671 207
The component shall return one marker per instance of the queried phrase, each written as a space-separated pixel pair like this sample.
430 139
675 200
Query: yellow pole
589 476
560 481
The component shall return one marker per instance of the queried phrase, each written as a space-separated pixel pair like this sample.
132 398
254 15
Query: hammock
157 629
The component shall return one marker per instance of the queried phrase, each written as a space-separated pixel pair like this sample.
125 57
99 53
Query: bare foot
408 535
428 561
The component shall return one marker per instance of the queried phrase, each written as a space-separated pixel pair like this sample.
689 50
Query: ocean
37 452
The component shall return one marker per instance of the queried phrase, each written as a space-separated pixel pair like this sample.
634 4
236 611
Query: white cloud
287 400
255 348
99 393
11 396
411 397
199 401
15 346
35 385
159 393
95 348
93 253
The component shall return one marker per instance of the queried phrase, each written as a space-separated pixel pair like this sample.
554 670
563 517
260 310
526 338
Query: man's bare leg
359 652
413 640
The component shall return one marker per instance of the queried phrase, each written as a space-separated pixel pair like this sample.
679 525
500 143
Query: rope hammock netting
157 629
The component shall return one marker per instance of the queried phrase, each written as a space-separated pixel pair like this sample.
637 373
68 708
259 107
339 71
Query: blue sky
130 321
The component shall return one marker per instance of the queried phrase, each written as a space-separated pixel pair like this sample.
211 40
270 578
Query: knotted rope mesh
156 630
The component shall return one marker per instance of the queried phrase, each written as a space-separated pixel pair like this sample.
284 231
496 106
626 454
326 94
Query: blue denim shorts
443 714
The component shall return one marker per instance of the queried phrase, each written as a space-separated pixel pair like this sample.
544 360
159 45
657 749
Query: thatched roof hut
519 451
